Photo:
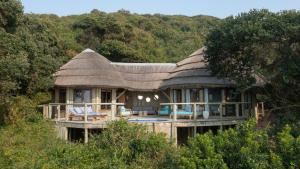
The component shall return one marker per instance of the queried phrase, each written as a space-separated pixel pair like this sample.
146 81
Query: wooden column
86 135
85 113
173 133
206 99
65 133
98 98
56 95
113 100
195 111
243 103
174 112
94 99
171 95
222 112
69 100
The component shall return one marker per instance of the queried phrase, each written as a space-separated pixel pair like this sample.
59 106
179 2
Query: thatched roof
90 69
144 76
193 71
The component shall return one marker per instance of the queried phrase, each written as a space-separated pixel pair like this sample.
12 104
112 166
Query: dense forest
33 47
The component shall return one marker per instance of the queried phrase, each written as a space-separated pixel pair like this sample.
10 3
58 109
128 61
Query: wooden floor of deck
150 120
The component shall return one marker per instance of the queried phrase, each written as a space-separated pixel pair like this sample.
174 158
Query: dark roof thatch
193 71
90 69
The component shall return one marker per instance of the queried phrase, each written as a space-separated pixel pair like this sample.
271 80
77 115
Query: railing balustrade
53 111
175 111
216 110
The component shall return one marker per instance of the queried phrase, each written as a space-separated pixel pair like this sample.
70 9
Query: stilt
86 135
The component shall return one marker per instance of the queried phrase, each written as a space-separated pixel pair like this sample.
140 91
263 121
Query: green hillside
123 36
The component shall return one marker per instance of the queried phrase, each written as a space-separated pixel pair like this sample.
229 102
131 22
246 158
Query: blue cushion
188 108
165 107
78 110
89 109
72 110
122 109
182 112
163 112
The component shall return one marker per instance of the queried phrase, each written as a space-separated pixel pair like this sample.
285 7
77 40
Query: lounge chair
187 111
124 112
164 111
78 112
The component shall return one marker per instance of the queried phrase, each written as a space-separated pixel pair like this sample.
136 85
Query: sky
217 8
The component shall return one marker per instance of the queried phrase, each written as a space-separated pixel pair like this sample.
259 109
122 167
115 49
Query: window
82 96
232 95
214 96
197 95
177 97
106 95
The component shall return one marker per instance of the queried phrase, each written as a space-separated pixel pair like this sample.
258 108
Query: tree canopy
260 44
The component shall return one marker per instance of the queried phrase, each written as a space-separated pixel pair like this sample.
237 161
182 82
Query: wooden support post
113 106
85 113
65 134
171 96
173 133
50 111
256 113
121 94
86 135
223 95
58 112
195 111
67 112
206 106
69 101
262 109
174 112
221 111
195 130
56 95
237 110
243 103
45 111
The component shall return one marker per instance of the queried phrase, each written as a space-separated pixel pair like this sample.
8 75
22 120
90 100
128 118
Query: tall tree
260 43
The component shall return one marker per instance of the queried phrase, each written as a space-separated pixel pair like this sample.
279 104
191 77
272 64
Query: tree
259 44
11 12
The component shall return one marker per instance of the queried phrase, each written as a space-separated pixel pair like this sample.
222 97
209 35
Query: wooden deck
167 124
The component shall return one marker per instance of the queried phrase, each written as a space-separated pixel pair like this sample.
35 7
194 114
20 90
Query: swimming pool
147 120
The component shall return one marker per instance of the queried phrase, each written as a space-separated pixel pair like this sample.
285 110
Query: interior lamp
140 97
148 99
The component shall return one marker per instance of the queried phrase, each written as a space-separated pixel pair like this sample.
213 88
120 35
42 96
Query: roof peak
88 50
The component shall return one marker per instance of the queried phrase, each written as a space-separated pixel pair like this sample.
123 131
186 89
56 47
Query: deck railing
216 110
62 111
191 111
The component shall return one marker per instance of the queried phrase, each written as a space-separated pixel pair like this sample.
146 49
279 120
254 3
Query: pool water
147 120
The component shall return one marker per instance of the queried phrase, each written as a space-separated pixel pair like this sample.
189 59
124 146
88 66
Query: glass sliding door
214 96
231 95
82 96
177 97
106 97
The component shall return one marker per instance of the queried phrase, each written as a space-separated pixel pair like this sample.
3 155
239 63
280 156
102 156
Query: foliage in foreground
30 144
122 145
